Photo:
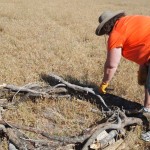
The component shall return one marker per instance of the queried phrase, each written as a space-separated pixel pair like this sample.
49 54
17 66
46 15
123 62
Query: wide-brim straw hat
105 17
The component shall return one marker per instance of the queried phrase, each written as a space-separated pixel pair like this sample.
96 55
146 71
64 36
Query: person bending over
128 36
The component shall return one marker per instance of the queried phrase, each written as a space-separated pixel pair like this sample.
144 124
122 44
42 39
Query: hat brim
98 30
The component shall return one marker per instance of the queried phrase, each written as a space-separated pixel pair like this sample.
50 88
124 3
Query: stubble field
39 37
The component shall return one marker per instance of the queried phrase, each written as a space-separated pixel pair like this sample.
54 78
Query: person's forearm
111 64
108 73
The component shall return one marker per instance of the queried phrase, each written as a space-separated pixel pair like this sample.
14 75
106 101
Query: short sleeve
115 40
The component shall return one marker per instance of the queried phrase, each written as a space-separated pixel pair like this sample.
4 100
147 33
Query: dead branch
14 138
35 90
118 125
64 139
42 144
38 90
12 147
104 142
121 121
35 141
80 89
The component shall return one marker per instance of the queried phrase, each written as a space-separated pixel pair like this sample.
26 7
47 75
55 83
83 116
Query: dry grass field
43 36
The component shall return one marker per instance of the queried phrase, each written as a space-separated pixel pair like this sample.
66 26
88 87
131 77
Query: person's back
132 33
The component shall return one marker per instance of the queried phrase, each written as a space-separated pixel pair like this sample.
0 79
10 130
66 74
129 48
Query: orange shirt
132 34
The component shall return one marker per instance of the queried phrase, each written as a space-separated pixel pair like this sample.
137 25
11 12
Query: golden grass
132 141
59 117
58 36
42 36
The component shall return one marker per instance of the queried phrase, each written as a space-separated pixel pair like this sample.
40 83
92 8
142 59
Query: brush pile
100 136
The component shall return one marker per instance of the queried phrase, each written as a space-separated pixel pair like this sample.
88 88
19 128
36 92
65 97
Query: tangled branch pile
115 123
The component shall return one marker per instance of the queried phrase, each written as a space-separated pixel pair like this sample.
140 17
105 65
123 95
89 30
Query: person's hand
102 88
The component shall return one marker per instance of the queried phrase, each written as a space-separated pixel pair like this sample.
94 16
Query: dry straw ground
42 36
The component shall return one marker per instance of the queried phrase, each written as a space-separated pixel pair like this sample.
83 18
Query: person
128 36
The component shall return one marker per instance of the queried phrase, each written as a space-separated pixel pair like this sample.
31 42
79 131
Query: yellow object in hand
102 88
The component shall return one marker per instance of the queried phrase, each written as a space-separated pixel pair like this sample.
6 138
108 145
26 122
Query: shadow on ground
110 99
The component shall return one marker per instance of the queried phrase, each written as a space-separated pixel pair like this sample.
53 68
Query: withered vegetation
41 126
38 37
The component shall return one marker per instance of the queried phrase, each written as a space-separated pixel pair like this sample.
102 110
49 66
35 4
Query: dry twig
115 124
80 89
121 121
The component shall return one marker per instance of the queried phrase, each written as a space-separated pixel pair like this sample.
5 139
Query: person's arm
110 67
111 64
